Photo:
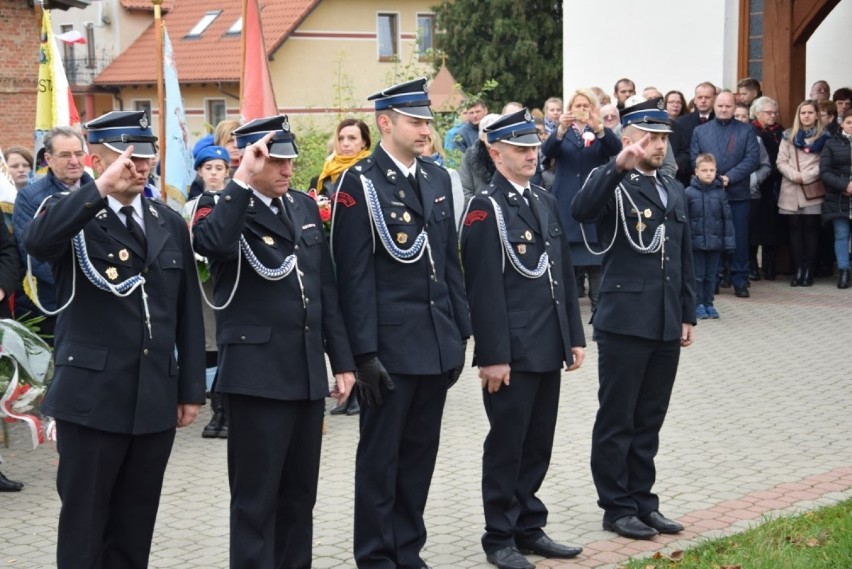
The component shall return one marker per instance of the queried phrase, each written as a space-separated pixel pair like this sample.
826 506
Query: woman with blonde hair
579 144
798 163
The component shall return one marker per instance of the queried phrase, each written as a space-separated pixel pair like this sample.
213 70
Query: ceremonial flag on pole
179 174
257 98
55 102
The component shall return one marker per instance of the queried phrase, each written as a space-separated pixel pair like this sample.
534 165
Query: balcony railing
84 70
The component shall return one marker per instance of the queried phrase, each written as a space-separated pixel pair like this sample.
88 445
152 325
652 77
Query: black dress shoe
661 523
508 558
7 485
352 405
546 547
843 281
630 526
339 409
741 292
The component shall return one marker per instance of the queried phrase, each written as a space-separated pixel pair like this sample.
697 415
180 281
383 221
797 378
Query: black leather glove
456 373
371 375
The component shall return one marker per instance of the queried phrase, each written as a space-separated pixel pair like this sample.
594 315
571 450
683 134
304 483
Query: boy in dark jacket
712 230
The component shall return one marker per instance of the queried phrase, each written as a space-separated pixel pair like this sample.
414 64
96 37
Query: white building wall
676 44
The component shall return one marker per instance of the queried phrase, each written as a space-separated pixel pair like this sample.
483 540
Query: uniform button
432 302
667 238
667 259
242 338
88 205
557 302
617 286
307 300
555 282
295 247
227 198
145 352
426 226
70 358
668 278
145 270
547 243
307 329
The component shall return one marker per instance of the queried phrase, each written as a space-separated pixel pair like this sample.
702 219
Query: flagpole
161 102
243 54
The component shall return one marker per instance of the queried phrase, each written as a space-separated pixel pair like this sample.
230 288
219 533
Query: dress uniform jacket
415 322
111 373
644 295
266 328
515 319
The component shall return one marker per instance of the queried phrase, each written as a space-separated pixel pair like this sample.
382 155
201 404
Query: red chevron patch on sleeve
474 216
200 214
344 198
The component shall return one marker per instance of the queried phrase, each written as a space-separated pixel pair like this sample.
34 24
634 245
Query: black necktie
659 188
283 215
412 180
703 119
132 226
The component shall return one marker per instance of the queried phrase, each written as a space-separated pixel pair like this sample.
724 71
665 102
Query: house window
203 24
237 28
388 37
425 35
90 46
215 111
143 105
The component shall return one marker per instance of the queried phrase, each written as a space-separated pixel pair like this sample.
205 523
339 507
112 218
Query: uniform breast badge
647 213
402 238
123 255
393 215
528 235
268 240
641 226
522 249
406 217
111 273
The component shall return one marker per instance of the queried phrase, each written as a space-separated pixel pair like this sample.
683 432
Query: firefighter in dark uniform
129 346
279 313
526 324
644 317
396 254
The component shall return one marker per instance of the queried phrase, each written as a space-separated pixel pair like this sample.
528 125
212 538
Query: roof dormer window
203 24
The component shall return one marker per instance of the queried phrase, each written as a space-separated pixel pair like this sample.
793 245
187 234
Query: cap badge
111 273
123 255
143 122
660 105
285 124
527 116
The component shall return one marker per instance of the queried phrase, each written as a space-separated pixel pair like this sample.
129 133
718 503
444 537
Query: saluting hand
632 154
118 176
254 158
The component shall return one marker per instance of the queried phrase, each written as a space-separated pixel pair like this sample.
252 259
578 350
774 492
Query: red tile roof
215 56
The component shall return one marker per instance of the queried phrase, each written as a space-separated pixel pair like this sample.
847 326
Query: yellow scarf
338 164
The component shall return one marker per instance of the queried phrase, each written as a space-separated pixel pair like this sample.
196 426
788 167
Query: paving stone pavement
759 424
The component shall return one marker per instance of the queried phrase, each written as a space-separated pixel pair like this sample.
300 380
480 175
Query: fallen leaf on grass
731 567
813 542
676 555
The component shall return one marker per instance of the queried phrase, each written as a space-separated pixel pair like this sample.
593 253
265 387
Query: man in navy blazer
129 346
526 323
274 283
398 269
644 317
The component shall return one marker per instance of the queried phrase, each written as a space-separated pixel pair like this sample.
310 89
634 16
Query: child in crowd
211 164
712 230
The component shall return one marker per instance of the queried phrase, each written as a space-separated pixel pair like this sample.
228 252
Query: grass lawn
821 539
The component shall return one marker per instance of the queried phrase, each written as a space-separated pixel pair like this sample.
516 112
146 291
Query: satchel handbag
814 190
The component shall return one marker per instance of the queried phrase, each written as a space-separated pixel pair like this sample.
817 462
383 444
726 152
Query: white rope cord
410 255
657 243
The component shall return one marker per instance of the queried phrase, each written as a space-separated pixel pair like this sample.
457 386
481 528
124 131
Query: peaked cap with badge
650 116
515 128
119 129
409 98
283 143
